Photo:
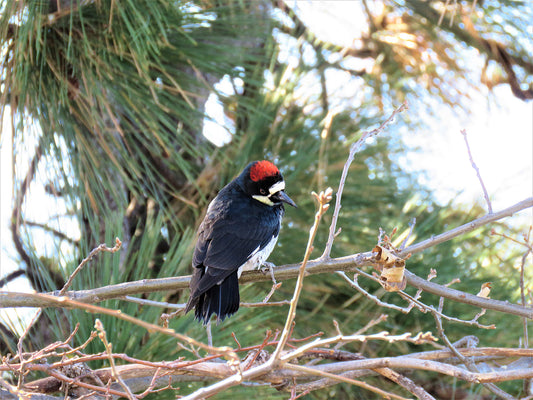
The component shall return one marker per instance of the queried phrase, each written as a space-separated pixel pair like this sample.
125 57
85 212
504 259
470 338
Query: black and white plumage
238 233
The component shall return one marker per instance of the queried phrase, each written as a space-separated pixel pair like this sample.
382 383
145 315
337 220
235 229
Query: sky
501 143
500 138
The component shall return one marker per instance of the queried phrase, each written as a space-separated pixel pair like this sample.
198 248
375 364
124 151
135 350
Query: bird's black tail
222 300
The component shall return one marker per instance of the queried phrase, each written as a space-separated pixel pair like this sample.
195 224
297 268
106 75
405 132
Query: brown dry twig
441 361
109 351
323 199
101 248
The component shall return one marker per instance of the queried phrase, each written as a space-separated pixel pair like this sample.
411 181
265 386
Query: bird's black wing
229 236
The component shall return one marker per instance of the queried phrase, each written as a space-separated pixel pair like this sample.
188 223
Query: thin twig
101 248
275 286
74 381
354 149
455 6
181 306
257 352
341 378
64 302
426 308
269 304
412 300
404 382
11 277
485 193
323 198
153 303
209 334
443 12
14 390
469 364
355 284
19 346
406 240
54 231
103 337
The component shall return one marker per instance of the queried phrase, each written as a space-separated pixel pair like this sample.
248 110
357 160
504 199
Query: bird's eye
262 191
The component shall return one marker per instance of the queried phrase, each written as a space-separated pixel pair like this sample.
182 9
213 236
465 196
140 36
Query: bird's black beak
281 196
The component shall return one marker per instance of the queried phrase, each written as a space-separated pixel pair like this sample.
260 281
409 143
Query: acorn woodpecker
238 233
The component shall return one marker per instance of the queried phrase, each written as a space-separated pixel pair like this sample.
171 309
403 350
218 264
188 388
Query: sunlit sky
500 137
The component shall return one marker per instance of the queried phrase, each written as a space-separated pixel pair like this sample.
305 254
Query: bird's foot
269 267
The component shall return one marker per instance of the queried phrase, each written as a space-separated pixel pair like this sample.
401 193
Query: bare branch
404 382
13 390
69 303
485 193
355 284
425 308
19 200
323 198
289 271
202 369
11 277
55 232
468 227
25 333
467 362
406 240
354 149
16 218
341 378
99 249
103 337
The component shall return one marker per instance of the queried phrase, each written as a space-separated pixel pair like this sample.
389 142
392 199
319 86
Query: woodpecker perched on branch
238 233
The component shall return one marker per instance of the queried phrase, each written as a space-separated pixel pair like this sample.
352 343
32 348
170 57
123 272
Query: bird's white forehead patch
276 187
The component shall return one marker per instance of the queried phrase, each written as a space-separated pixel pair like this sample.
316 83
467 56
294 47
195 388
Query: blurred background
124 119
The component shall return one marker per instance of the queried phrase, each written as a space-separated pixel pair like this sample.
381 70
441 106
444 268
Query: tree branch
354 149
209 370
17 207
11 276
55 232
468 227
290 271
101 248
16 218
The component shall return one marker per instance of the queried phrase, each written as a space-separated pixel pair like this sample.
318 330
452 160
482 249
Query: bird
238 233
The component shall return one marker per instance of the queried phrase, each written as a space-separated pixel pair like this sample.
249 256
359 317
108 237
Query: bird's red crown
261 169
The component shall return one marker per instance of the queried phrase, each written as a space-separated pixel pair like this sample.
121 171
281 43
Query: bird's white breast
258 257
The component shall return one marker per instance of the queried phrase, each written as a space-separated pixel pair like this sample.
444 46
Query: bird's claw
269 267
